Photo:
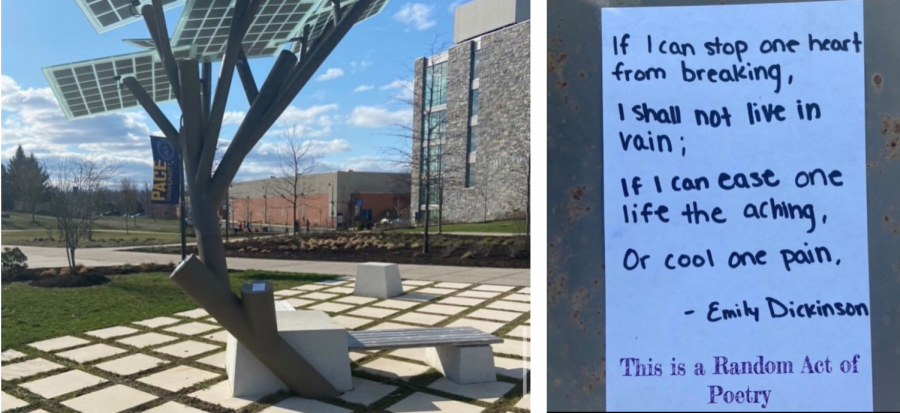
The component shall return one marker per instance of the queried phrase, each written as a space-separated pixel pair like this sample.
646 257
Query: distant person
307 225
296 226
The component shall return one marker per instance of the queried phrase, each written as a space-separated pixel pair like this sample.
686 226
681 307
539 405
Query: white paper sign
735 208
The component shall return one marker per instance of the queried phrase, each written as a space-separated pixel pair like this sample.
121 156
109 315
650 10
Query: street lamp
332 205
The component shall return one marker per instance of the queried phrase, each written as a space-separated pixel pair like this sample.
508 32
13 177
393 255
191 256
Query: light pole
333 223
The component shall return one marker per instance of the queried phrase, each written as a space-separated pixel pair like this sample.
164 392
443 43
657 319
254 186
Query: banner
166 172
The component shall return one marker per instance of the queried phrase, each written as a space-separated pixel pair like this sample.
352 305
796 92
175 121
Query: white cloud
233 118
316 148
360 66
363 88
416 15
378 117
330 74
405 87
453 5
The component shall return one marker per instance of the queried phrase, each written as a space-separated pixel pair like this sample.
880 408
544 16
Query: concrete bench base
312 334
378 280
463 365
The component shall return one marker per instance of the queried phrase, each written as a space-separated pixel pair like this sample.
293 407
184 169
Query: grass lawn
497 227
31 314
100 237
20 220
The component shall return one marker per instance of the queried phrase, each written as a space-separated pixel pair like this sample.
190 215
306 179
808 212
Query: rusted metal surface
576 363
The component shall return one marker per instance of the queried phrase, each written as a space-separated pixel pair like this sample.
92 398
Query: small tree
76 196
295 163
128 200
29 180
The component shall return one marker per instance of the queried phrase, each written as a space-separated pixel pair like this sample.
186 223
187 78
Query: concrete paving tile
510 306
195 313
111 332
157 322
442 309
147 340
495 288
366 392
512 368
465 302
486 326
220 336
422 298
420 318
526 290
454 286
9 402
523 332
486 392
310 287
428 403
477 294
357 356
186 349
397 304
10 355
339 290
350 322
390 326
417 283
132 364
300 405
525 298
528 321
299 302
215 360
524 402
356 300
177 378
63 383
435 291
331 307
334 282
109 400
518 348
394 369
486 314
220 394
318 296
173 407
59 343
191 329
91 353
28 368
286 293
373 312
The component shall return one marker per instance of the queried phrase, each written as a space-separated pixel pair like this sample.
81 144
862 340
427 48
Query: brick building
471 141
324 199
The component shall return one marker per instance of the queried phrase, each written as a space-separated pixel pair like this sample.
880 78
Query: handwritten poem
735 207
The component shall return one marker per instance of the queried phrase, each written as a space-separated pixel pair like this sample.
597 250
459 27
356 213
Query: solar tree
180 69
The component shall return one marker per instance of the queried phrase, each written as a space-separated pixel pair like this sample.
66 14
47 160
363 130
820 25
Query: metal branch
336 11
207 90
249 133
304 42
153 110
192 111
243 68
156 24
244 12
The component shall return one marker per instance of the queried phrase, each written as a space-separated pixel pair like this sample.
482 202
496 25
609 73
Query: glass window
473 103
470 175
476 64
436 85
473 138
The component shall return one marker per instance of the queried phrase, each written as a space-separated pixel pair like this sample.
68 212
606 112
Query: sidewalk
43 257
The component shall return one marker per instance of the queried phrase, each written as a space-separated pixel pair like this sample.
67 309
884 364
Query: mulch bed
450 250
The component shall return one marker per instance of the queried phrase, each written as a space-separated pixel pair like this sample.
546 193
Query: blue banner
166 172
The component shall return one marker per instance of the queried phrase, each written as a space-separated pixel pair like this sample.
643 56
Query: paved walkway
43 257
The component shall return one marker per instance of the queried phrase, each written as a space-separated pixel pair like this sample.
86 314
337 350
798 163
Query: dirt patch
451 250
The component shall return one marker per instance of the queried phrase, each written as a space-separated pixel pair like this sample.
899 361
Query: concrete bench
378 280
463 354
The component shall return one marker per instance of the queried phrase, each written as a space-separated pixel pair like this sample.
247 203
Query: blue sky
348 111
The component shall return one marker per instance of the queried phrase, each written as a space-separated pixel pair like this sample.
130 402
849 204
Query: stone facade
503 121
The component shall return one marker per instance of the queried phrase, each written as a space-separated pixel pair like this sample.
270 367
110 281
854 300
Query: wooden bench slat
423 337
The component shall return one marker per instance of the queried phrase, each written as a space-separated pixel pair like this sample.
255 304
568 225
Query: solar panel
90 88
320 17
146 44
106 15
205 24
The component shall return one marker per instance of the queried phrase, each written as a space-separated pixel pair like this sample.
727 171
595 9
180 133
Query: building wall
504 116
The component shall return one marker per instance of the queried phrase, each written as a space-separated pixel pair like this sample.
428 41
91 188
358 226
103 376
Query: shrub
85 270
449 248
517 245
482 248
65 271
50 272
14 262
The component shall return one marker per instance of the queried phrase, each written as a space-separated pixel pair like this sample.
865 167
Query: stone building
471 142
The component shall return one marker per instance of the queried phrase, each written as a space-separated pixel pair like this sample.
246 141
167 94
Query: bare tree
295 162
128 200
76 195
